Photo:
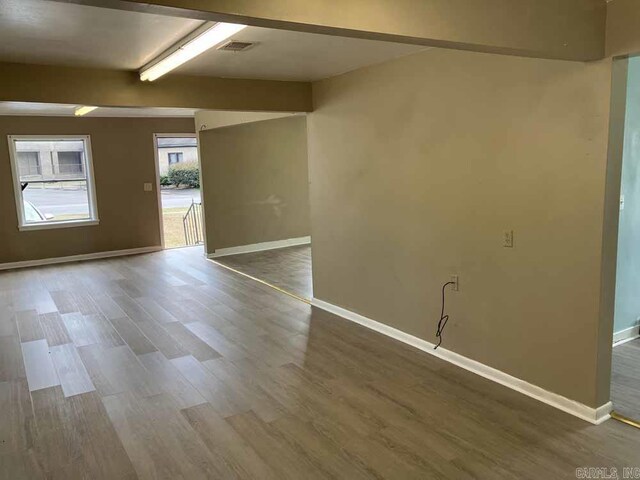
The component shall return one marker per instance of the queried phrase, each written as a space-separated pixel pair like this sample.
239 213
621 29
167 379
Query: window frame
17 187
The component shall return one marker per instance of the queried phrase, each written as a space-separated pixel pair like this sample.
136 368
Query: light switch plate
508 239
148 187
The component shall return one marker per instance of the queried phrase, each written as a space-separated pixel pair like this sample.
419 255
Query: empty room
292 239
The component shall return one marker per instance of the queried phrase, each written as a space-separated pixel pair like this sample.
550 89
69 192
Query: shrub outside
184 175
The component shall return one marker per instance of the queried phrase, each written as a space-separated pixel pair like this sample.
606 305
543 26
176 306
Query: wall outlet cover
508 239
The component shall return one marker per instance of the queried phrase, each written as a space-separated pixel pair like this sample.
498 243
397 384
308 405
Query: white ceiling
60 110
54 33
286 55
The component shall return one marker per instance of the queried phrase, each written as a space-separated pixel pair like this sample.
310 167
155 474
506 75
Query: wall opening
178 170
625 374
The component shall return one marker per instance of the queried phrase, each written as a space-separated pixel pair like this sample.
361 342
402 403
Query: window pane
51 159
29 164
70 164
59 201
53 178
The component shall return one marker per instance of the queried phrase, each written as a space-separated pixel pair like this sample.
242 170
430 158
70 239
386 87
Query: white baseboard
592 415
626 335
258 247
77 258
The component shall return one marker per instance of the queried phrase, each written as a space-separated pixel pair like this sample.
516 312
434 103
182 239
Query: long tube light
203 42
80 111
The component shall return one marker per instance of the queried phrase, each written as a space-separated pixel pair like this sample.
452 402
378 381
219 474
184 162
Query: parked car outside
32 214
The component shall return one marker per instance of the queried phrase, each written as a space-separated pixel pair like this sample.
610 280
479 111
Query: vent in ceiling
235 46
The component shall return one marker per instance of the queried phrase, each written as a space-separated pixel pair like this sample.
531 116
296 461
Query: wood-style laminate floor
625 379
287 268
169 366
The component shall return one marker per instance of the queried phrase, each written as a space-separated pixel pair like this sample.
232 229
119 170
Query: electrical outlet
148 187
456 286
508 239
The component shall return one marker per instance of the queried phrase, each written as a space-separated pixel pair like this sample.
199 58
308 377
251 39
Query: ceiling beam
623 27
561 29
116 88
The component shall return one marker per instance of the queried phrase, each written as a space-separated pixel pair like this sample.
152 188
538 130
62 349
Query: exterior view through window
53 181
179 171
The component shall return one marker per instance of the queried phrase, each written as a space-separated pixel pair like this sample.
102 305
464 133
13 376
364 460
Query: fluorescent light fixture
201 43
80 111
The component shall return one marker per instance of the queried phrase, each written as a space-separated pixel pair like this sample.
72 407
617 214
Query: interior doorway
625 372
178 187
255 176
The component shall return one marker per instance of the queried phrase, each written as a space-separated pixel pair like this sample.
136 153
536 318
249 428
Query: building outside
173 151
50 160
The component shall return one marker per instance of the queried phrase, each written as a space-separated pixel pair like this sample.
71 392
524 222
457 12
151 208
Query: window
175 158
29 164
70 164
53 181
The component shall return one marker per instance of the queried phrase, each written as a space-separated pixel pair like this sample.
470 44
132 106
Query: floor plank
91 329
39 366
223 399
132 336
226 444
11 361
159 441
116 370
273 449
28 323
76 438
190 342
172 382
72 373
17 426
54 329
65 301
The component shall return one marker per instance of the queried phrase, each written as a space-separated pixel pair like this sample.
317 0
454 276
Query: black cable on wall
443 318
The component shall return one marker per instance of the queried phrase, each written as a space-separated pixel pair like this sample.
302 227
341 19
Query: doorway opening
255 176
625 372
178 186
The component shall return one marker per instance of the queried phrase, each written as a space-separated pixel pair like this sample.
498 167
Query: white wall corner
584 412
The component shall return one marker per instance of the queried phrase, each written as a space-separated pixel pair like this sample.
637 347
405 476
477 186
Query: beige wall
255 182
123 160
570 29
419 165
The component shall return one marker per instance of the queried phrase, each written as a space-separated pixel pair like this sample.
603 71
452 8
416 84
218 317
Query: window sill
53 225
